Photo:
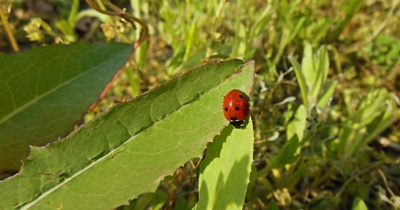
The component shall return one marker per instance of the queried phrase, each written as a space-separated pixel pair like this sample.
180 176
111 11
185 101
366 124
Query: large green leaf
129 149
225 171
45 90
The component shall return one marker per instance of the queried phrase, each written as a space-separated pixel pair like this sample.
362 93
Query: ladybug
236 107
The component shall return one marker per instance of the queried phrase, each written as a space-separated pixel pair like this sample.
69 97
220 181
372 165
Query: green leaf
359 204
308 66
273 206
301 79
261 22
287 155
350 9
73 13
225 171
373 115
158 200
326 95
298 124
322 67
131 148
312 74
296 29
45 90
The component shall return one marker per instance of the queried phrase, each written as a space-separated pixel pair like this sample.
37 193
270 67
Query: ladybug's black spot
241 96
233 118
226 109
237 108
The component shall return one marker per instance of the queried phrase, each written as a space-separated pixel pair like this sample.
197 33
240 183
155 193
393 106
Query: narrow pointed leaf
308 66
321 70
326 95
225 171
287 155
298 124
301 79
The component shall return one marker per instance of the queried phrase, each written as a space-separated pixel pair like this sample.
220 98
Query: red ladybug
236 107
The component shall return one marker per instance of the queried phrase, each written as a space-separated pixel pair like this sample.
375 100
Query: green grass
326 92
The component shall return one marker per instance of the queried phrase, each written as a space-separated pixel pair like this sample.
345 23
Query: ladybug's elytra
236 107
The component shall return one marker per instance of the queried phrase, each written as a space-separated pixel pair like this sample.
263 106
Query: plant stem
10 34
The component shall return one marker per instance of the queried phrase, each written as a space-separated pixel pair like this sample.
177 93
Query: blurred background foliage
325 102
